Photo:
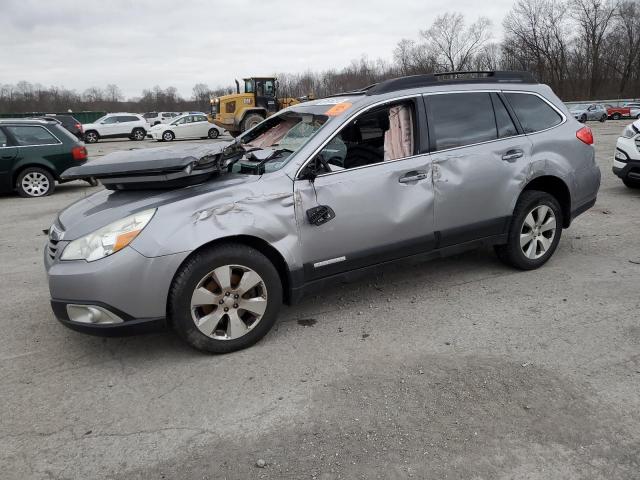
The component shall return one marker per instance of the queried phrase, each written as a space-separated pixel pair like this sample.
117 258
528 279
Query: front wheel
583 119
534 233
251 120
225 298
168 136
631 183
213 133
616 116
91 137
603 118
35 182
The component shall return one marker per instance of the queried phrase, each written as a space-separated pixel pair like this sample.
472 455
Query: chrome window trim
40 144
344 124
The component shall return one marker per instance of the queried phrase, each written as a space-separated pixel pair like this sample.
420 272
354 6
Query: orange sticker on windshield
337 109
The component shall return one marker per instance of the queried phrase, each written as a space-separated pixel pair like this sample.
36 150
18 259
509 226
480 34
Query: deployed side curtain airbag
398 140
274 134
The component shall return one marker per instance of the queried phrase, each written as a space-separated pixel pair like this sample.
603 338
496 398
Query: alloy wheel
537 232
36 184
228 302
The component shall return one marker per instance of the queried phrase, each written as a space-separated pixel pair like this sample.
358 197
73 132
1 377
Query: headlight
630 131
108 240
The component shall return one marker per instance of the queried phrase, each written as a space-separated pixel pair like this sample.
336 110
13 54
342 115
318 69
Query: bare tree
201 95
454 44
594 19
113 94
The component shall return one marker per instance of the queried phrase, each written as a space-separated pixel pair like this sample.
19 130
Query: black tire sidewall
213 133
172 136
248 119
97 137
52 182
202 263
133 134
527 202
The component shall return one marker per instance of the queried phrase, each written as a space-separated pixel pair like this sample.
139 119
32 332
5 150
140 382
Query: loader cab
264 92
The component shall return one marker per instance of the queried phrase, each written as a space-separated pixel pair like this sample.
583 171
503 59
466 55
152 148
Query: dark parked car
67 121
33 155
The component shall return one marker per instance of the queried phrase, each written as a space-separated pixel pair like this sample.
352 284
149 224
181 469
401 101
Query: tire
219 333
530 205
603 118
168 136
213 133
638 116
616 116
35 182
91 136
138 134
583 119
92 181
629 183
250 121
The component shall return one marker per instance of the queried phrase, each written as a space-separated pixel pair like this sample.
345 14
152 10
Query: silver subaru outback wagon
212 239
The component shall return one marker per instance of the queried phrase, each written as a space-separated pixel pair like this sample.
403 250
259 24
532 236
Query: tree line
583 49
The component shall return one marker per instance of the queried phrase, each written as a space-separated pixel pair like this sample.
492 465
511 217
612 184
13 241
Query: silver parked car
584 112
212 239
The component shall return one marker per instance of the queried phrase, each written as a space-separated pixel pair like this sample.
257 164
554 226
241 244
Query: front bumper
132 287
626 161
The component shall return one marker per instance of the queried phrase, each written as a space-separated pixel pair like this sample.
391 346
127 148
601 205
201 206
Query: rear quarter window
32 135
533 112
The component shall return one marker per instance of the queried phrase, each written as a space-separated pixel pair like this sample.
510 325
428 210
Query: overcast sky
140 44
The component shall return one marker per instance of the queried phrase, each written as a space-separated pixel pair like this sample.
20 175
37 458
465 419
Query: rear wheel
91 136
616 116
213 133
138 134
35 182
583 118
225 298
534 233
603 118
168 136
251 120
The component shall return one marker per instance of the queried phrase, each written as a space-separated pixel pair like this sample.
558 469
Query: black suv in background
67 121
33 155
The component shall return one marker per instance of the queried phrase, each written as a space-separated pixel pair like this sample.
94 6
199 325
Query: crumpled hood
145 160
104 207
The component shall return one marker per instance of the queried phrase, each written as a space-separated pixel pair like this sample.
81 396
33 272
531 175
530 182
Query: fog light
91 314
621 156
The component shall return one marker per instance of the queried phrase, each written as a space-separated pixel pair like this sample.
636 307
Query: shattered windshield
277 138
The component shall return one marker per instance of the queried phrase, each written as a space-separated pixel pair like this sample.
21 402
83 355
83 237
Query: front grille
55 235
52 248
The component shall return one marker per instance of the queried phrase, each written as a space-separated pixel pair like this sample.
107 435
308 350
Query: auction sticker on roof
337 109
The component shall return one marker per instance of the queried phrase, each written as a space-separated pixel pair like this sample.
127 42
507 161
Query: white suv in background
626 161
116 125
154 118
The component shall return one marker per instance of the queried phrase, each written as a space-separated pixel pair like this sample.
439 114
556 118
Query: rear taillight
79 153
585 135
79 126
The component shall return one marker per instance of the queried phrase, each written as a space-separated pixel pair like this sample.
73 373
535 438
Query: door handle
414 176
512 155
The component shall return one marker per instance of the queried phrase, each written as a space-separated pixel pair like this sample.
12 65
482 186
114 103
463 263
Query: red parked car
616 113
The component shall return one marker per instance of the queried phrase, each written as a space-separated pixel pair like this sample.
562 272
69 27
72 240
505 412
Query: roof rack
448 78
359 91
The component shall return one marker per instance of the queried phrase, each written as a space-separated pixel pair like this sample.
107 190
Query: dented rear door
479 158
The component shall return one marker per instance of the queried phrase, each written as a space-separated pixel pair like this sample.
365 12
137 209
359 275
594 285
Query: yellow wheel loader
238 112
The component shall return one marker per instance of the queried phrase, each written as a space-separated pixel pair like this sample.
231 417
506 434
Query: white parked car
187 126
116 125
154 118
626 160
635 112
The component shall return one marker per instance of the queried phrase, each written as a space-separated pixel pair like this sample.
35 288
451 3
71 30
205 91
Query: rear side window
534 113
111 120
460 119
127 119
32 135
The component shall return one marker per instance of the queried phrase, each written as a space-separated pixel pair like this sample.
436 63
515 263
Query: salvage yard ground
459 368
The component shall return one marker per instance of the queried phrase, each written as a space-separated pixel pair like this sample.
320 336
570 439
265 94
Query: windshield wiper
259 166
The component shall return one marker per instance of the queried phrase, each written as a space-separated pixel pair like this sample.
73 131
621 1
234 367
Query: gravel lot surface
459 368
